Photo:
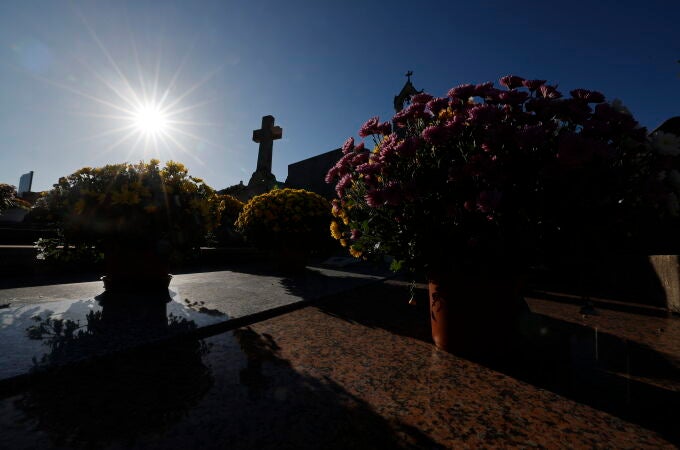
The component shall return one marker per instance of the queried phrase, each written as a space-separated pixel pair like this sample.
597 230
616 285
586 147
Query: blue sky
71 72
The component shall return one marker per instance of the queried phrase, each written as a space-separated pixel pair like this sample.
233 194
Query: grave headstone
310 173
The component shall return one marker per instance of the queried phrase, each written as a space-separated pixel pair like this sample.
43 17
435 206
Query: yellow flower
354 252
335 230
343 242
446 114
124 197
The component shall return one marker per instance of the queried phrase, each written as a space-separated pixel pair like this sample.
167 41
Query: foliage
228 209
487 176
52 250
8 196
136 203
286 217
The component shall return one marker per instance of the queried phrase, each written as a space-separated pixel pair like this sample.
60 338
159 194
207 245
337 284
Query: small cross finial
408 75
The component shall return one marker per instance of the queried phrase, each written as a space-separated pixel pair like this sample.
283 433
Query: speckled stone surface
355 372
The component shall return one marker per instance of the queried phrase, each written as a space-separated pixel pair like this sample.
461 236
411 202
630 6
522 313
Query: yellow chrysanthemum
335 230
355 253
124 197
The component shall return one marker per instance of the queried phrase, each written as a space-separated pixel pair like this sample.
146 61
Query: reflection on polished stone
124 321
119 396
60 332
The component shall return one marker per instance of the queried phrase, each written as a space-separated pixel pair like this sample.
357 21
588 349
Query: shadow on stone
114 396
621 377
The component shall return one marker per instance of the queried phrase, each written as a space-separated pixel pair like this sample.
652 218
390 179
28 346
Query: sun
150 120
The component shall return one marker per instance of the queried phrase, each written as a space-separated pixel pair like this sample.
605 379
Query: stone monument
262 180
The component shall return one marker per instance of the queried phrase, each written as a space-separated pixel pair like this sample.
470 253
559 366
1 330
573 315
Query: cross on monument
265 136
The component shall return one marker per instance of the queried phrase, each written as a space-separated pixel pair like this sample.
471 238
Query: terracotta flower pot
475 314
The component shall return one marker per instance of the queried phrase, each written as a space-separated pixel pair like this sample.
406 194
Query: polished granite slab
29 332
30 314
359 372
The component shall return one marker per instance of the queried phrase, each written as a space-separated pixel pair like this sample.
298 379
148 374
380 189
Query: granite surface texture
358 371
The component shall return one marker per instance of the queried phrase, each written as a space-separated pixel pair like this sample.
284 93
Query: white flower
666 143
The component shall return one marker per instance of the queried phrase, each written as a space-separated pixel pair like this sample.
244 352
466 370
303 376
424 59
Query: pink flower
370 168
436 134
533 85
384 128
348 146
374 198
356 234
574 109
549 92
482 114
438 104
512 97
406 148
421 98
512 81
413 112
483 89
370 127
342 184
342 167
332 174
587 95
455 126
359 158
462 92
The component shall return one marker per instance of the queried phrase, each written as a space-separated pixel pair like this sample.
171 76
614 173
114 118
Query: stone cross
265 136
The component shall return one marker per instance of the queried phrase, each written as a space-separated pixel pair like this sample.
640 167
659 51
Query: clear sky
73 74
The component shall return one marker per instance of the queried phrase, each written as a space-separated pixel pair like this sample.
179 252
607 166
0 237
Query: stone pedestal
667 268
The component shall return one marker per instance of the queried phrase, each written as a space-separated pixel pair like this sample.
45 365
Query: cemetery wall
310 173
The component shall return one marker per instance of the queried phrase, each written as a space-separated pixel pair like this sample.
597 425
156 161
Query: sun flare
150 120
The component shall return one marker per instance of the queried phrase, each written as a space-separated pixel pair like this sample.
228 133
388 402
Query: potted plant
469 188
288 223
229 208
139 215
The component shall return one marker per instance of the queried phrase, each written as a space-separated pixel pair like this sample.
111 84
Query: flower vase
475 314
139 268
